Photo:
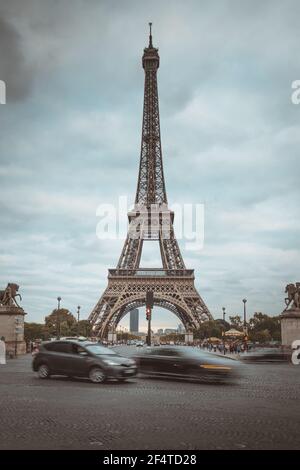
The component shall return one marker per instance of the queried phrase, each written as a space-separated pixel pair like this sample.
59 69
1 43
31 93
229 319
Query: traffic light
148 313
149 304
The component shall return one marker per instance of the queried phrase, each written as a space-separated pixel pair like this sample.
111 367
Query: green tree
33 331
236 322
208 329
261 322
262 336
125 336
61 322
223 324
176 337
84 328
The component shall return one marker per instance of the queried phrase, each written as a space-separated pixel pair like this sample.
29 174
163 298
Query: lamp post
149 306
57 318
245 324
224 350
78 317
224 308
245 320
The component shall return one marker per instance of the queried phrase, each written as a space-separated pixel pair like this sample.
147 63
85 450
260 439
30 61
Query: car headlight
110 363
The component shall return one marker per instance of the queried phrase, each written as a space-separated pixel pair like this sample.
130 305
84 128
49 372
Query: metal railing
151 272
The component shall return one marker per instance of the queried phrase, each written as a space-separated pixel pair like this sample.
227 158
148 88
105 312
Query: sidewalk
18 364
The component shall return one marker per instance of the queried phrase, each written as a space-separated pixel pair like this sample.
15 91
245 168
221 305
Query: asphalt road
261 412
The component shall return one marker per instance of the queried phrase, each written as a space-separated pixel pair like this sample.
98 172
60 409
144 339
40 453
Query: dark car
266 355
186 362
82 359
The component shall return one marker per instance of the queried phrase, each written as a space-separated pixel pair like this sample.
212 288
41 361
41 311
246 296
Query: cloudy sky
70 140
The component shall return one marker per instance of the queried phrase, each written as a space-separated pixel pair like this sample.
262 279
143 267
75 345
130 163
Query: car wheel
43 371
97 375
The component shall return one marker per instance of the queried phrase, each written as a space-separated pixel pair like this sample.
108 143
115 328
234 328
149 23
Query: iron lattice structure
173 286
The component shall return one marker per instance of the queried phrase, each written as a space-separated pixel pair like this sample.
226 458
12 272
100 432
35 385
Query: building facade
134 321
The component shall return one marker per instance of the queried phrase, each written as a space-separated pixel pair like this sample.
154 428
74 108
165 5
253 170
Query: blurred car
266 355
75 338
140 344
82 359
186 362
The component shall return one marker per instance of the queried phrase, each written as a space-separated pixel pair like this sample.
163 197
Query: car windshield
100 350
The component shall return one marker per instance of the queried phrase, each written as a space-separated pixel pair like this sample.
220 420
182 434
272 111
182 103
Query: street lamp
57 318
149 307
224 350
78 316
224 308
245 324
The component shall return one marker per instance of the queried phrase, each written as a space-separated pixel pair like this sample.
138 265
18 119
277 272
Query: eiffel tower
173 285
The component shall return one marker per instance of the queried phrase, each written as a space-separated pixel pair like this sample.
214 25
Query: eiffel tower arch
173 285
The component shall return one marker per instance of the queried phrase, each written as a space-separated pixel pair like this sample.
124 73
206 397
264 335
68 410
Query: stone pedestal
12 328
290 326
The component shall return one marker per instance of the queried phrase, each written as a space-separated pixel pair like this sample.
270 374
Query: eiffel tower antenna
150 36
173 285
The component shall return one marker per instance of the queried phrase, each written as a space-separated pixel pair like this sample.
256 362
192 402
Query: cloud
14 69
70 139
